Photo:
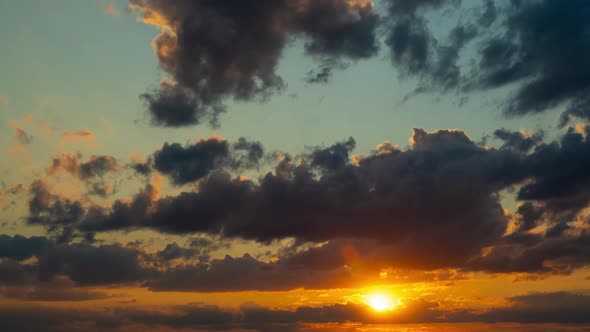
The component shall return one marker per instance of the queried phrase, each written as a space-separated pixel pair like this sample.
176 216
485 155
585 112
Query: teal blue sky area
71 65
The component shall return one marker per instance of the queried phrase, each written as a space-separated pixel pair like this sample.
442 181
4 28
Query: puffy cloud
194 161
97 166
230 49
439 193
438 199
190 163
58 214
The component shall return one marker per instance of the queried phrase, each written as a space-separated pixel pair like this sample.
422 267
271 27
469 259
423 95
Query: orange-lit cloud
80 135
20 139
112 10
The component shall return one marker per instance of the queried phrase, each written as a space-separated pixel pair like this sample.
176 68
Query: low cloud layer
257 318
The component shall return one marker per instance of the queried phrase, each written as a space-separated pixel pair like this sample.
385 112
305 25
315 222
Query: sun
381 302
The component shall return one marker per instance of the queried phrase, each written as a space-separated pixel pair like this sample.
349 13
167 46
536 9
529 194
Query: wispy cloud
112 10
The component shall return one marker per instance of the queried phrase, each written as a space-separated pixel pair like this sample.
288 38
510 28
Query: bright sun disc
381 302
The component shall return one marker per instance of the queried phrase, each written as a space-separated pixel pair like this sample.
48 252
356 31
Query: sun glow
381 302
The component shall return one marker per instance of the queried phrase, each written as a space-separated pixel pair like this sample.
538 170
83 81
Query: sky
295 165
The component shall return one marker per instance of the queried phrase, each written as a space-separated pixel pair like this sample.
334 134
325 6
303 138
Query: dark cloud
89 265
553 255
541 47
219 275
528 216
546 48
211 318
488 14
333 158
438 199
61 290
218 50
18 247
12 273
196 316
246 154
415 51
559 307
560 173
439 192
174 251
142 168
192 162
52 211
518 140
320 76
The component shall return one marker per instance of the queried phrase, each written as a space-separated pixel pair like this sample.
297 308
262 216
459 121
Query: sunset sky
295 165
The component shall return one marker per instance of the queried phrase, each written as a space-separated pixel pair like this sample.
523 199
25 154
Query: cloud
328 197
59 289
545 49
215 51
219 275
92 172
90 265
21 136
194 161
20 139
438 199
60 270
416 52
20 248
563 191
555 255
558 307
519 141
97 166
75 136
4 100
258 318
533 39
533 47
112 10
56 213
323 75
